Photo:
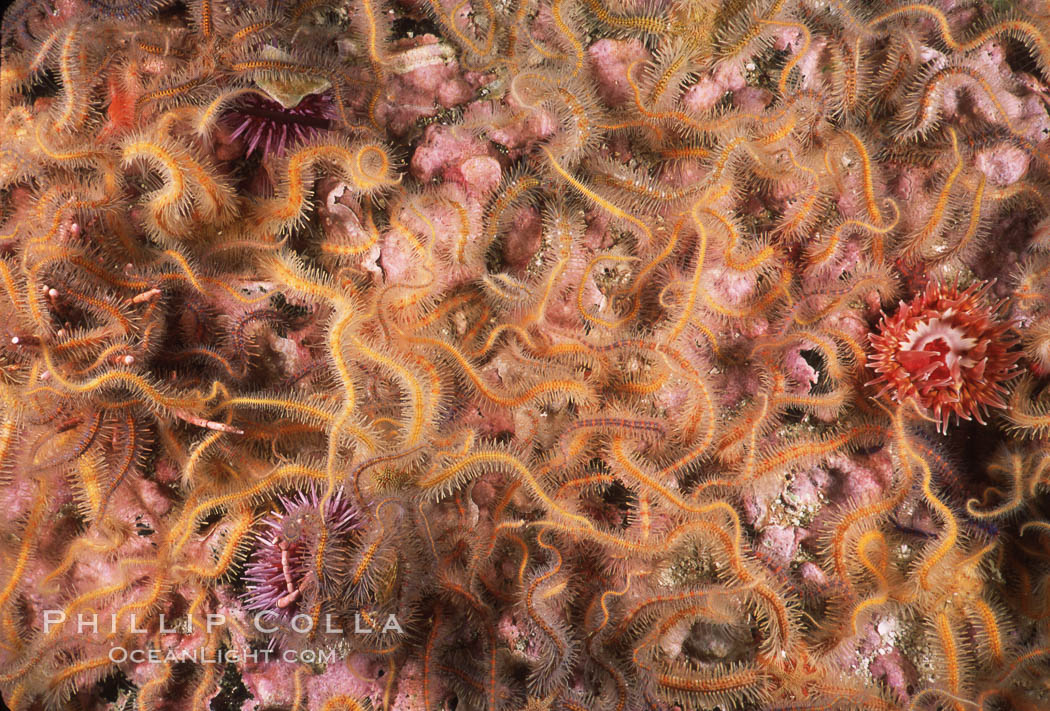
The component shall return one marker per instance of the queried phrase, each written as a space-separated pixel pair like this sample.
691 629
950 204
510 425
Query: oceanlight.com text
203 655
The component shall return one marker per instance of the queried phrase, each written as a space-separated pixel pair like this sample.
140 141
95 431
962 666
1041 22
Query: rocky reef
558 355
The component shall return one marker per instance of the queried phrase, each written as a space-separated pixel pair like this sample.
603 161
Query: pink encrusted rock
410 688
597 236
523 239
424 77
1004 165
853 480
539 126
457 156
18 499
732 287
1041 234
227 147
446 221
809 66
610 60
895 671
510 630
671 642
516 136
341 219
485 491
337 206
683 173
778 544
479 174
844 481
741 384
808 486
861 478
544 28
289 356
396 258
813 576
787 39
908 182
562 313
66 10
151 496
920 522
877 641
703 95
673 399
1033 122
755 327
442 148
492 421
166 471
752 99
799 369
710 89
755 504
358 676
990 60
990 63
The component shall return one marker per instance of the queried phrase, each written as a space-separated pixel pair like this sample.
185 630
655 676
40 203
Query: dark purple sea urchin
269 126
280 564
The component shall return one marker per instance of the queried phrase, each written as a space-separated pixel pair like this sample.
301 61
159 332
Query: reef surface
558 355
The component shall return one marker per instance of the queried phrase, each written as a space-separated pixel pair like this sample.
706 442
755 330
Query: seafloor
545 355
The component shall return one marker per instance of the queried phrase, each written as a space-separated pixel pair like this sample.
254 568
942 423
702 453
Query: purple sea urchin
280 565
269 126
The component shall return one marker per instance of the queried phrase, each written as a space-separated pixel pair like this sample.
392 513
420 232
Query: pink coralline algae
532 355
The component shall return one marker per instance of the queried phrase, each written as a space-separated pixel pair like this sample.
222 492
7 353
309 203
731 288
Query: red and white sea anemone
947 350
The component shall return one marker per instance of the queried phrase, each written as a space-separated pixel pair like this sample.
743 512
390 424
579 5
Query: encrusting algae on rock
544 354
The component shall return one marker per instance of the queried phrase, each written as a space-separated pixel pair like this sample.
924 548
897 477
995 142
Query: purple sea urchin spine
280 560
267 125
